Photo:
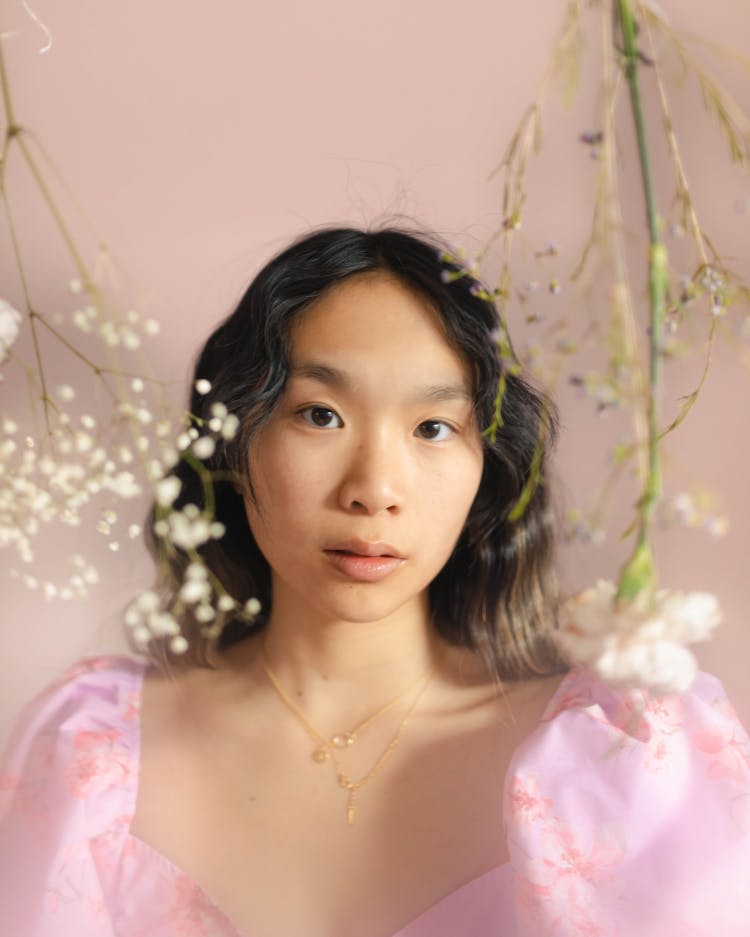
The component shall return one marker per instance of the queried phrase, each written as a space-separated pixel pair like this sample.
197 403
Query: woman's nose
374 479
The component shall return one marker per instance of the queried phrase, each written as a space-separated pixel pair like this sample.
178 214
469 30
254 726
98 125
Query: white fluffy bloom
10 324
178 644
167 490
204 447
186 529
193 590
230 427
637 644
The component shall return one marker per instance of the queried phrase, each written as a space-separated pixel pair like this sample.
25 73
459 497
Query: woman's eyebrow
323 373
334 377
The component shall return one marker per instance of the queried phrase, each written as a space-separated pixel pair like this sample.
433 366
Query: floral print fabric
625 816
630 815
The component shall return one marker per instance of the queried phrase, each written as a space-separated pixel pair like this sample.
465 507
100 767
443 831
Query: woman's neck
326 662
331 667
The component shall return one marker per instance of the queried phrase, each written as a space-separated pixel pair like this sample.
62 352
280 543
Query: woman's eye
435 430
321 417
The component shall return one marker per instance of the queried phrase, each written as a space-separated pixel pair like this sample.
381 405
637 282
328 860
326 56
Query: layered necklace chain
330 747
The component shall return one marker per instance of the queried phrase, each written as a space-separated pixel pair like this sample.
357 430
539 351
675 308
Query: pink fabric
624 816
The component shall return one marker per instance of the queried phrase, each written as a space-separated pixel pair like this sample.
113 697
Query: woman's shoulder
104 687
590 725
76 738
68 781
622 801
589 707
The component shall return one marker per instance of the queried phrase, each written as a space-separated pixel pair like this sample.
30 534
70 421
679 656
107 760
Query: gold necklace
348 783
353 786
340 739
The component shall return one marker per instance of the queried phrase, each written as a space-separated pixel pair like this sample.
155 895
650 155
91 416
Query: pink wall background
201 137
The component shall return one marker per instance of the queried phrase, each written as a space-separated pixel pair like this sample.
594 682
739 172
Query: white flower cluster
75 587
221 425
188 528
149 619
125 334
639 644
77 474
57 481
10 324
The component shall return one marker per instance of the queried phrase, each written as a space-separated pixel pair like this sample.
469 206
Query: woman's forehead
374 320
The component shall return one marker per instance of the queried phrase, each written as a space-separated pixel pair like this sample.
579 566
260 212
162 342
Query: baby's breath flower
81 321
186 529
230 427
193 590
163 624
178 644
204 447
252 607
10 324
204 613
123 484
167 490
203 386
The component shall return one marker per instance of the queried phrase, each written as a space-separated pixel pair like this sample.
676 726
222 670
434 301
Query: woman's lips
361 568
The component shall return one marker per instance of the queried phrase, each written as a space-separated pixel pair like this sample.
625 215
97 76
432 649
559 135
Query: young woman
393 747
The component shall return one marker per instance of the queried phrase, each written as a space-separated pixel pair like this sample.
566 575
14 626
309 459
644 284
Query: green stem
639 571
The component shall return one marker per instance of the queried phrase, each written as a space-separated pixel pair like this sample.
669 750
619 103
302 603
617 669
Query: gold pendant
350 816
320 755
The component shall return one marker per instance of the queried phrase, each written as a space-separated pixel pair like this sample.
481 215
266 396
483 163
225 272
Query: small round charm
320 755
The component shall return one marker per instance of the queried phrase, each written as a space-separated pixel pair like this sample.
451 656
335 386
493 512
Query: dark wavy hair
497 593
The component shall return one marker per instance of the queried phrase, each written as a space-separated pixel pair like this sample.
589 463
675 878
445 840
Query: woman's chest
264 831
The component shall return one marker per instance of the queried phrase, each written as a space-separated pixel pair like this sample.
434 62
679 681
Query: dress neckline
500 871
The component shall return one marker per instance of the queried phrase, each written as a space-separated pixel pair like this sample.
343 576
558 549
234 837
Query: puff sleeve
69 763
629 815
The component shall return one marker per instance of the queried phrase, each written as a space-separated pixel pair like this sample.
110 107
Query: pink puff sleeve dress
625 816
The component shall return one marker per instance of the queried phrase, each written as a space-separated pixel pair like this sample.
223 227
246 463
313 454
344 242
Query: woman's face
366 471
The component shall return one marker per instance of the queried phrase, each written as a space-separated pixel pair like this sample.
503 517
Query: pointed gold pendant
350 815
